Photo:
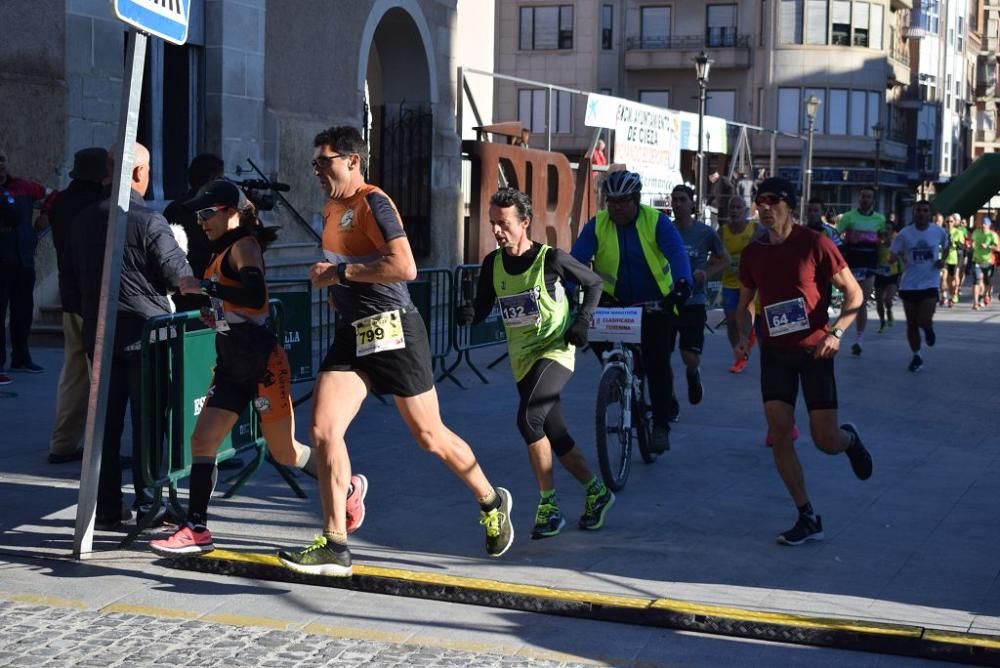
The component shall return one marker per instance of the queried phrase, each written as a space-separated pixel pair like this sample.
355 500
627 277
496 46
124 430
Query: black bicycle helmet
622 184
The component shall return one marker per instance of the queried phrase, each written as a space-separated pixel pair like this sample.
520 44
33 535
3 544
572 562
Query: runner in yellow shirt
736 235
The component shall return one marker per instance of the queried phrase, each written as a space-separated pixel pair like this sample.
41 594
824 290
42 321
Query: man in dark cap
90 169
791 269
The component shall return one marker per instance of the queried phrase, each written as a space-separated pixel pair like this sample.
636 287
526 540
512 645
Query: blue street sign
166 19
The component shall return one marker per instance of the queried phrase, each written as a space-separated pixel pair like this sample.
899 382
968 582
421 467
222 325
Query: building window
837 112
861 23
788 109
656 98
859 107
531 110
816 21
721 103
874 112
607 26
654 27
544 28
875 27
840 33
720 25
958 33
820 94
791 22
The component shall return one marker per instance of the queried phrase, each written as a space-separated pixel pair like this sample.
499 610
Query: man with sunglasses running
791 269
380 344
640 256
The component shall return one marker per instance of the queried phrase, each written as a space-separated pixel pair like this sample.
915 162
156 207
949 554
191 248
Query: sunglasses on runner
208 212
325 160
767 199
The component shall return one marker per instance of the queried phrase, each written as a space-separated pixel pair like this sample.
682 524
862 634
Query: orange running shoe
738 365
769 442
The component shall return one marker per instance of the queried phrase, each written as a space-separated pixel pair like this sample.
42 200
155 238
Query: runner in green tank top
526 281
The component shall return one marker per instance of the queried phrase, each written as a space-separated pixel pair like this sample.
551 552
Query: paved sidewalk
916 544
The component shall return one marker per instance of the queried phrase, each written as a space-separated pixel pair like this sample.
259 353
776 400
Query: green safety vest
607 258
533 320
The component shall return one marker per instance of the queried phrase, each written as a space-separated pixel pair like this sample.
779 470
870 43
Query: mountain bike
623 411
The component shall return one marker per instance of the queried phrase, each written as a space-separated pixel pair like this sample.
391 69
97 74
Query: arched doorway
399 91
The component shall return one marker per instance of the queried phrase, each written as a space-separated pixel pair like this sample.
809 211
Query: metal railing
490 332
724 39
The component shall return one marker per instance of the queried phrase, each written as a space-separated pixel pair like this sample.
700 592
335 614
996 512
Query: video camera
262 192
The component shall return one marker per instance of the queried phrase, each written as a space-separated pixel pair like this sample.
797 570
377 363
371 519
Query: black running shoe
930 338
595 507
856 350
804 529
916 364
548 521
696 391
319 558
861 460
661 440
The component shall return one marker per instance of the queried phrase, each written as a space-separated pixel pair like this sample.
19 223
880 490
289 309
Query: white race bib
617 325
377 333
786 317
520 310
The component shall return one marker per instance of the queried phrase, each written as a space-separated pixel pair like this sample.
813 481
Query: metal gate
401 144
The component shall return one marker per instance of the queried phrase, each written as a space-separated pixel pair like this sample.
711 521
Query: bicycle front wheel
642 420
614 431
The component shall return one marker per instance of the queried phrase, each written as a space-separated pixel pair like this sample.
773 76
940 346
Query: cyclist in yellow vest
526 280
640 256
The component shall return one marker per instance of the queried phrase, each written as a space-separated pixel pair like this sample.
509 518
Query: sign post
167 19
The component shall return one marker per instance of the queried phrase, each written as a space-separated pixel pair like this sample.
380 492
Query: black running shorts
405 372
689 329
782 370
885 281
917 296
251 366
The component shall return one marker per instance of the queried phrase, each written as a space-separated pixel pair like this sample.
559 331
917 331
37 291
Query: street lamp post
703 65
877 130
812 106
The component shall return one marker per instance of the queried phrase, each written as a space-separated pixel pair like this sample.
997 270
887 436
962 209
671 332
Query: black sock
492 504
806 510
202 470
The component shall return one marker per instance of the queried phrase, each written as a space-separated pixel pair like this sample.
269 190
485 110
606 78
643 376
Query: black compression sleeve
251 293
485 294
570 270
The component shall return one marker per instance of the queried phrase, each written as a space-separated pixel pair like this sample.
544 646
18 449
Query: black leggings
539 413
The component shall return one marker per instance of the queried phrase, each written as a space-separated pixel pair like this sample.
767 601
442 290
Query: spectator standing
18 199
90 170
152 263
599 157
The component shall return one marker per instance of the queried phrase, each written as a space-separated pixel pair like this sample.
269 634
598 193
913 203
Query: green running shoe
318 559
499 532
548 520
595 507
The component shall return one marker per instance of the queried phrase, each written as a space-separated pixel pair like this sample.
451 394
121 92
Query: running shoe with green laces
595 507
319 558
499 531
549 520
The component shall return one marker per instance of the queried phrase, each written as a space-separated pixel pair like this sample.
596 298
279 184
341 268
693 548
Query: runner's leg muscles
826 432
337 400
780 423
912 326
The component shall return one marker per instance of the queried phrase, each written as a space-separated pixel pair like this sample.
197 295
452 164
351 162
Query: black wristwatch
342 274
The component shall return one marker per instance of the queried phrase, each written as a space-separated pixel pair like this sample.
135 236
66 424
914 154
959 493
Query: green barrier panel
420 295
296 328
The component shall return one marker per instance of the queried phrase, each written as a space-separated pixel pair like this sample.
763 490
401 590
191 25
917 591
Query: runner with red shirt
791 270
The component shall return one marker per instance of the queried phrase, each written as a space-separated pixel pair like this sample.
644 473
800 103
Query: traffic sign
167 19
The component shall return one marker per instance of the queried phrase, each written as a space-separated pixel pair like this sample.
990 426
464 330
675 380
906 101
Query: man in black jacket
152 264
90 169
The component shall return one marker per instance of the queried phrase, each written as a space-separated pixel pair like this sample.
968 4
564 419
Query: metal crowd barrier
177 364
490 332
431 294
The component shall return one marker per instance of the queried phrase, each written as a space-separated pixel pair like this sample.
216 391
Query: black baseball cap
776 185
218 193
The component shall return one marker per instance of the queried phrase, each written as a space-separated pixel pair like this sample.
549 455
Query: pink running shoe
356 503
769 442
184 541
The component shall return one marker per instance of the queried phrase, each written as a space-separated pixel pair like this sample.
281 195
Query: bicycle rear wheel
613 434
642 420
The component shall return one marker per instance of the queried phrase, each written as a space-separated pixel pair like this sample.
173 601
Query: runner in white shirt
921 247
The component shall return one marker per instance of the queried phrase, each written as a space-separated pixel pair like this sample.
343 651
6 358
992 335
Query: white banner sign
647 140
617 325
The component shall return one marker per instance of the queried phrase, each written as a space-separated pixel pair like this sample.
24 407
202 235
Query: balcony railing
987 136
713 40
900 54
